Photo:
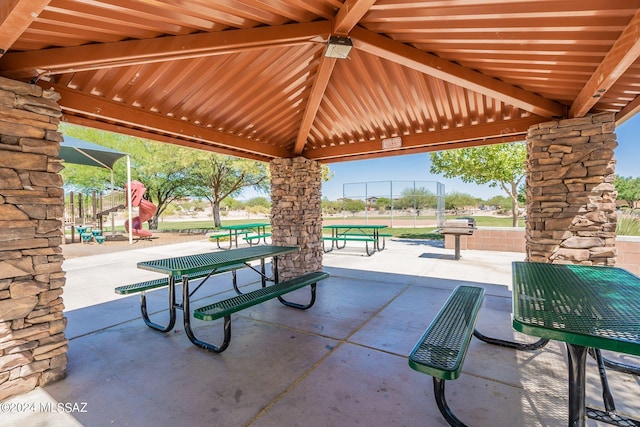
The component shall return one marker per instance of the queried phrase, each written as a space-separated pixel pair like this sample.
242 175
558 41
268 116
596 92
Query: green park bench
224 308
441 351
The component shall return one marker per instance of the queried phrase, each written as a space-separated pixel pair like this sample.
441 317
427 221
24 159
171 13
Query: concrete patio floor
341 363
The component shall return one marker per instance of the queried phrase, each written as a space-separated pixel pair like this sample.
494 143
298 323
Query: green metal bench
344 238
143 287
164 281
379 235
223 235
250 238
443 347
224 308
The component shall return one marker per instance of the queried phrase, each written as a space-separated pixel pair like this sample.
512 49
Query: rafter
629 111
104 110
138 133
624 52
161 49
350 14
426 149
432 65
15 17
507 130
315 98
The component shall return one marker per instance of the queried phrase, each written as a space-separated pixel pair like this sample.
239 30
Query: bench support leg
616 366
186 313
373 249
511 344
301 306
438 391
172 311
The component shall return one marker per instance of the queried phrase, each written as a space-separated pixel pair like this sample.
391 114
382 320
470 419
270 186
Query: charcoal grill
459 227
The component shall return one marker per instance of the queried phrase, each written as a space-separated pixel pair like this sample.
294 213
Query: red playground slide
146 210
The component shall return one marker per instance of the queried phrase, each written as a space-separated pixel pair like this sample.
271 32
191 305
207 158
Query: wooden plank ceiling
250 77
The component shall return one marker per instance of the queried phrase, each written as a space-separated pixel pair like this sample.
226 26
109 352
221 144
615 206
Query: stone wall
570 192
296 213
32 343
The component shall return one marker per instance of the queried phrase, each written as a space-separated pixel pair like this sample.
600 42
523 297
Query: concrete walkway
341 363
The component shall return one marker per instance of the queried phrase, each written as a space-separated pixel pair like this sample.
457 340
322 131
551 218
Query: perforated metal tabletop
184 265
583 305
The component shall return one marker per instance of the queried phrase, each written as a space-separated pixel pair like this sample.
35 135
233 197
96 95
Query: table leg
274 266
186 314
577 361
172 309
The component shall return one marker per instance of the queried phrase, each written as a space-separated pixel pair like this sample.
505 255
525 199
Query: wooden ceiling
250 77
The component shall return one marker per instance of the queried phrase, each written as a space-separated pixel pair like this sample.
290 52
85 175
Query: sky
415 167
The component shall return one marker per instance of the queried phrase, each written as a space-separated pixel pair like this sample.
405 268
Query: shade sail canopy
73 150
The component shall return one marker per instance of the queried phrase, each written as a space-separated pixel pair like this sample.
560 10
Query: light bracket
338 47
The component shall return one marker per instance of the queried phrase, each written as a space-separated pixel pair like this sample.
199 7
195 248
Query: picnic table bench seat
224 308
344 238
164 281
223 234
143 287
441 351
380 235
251 237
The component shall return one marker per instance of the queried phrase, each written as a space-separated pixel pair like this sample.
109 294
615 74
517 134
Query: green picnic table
180 269
585 307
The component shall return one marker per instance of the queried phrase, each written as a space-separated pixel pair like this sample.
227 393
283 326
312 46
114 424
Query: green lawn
401 232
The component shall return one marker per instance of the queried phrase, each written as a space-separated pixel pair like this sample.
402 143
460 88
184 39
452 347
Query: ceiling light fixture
338 47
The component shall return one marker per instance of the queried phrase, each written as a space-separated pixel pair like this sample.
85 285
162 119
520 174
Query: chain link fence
394 203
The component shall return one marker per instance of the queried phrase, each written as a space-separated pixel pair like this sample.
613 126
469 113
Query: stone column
296 213
33 347
571 198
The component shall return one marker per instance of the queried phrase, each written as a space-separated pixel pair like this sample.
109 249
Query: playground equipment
91 210
146 210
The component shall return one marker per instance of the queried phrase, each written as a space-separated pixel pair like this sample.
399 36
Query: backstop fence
395 203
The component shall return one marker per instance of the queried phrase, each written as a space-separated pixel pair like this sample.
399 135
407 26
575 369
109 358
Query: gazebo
302 83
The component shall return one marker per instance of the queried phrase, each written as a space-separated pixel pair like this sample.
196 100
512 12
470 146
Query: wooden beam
457 137
110 127
624 52
427 149
630 110
315 98
161 49
79 103
432 65
15 18
350 13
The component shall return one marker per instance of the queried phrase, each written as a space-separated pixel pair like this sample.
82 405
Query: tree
352 205
496 165
216 177
628 189
417 198
500 202
455 201
162 168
